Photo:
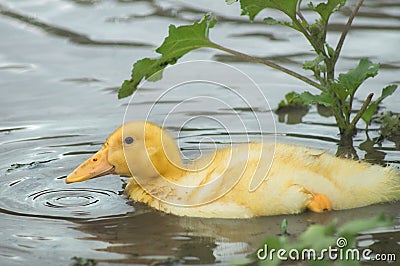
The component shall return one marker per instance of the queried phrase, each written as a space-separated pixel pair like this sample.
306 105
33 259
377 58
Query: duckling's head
140 149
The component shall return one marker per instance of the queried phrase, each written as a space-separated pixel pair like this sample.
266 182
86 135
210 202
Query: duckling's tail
346 183
388 184
365 184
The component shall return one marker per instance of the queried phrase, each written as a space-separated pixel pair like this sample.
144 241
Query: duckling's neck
167 163
172 172
154 190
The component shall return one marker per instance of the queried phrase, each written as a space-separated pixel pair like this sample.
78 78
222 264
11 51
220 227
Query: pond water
61 63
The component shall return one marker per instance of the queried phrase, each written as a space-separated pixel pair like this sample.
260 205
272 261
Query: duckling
238 181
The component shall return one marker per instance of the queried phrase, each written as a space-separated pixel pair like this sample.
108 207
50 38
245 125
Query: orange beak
95 166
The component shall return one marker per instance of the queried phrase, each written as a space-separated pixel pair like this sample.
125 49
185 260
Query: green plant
292 100
321 239
78 261
292 109
337 92
390 125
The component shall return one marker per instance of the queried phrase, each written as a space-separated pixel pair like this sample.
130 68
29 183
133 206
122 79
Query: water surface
61 63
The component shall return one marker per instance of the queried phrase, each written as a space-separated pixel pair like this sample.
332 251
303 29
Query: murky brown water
60 65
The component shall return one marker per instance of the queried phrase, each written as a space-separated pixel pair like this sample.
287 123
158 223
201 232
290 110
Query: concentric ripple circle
69 198
28 197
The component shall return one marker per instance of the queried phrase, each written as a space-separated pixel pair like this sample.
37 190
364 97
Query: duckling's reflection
146 236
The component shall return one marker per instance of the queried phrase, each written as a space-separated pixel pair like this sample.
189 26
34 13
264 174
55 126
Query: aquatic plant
79 261
390 127
327 245
337 91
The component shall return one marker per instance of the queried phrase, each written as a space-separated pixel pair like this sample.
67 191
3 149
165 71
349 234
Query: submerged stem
346 148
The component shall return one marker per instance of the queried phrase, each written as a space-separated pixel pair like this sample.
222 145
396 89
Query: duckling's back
223 182
346 183
296 174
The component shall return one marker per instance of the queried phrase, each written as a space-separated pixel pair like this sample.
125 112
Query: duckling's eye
128 140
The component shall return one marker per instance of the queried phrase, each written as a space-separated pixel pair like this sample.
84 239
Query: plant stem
340 118
270 64
346 148
308 36
330 70
301 17
362 110
346 30
350 107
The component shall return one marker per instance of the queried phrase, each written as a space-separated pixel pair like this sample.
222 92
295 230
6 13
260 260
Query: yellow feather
219 184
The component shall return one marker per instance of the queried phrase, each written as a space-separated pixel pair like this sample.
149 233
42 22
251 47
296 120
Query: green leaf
355 77
340 90
373 107
83 261
317 31
317 66
272 21
179 42
318 237
230 2
324 98
143 68
325 10
329 50
269 244
252 7
293 100
184 39
321 263
357 226
315 63
284 227
236 261
390 127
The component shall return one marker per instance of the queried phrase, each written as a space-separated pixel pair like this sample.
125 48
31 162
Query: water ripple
28 197
73 36
69 198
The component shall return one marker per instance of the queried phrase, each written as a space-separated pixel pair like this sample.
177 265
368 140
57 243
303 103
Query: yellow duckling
236 182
